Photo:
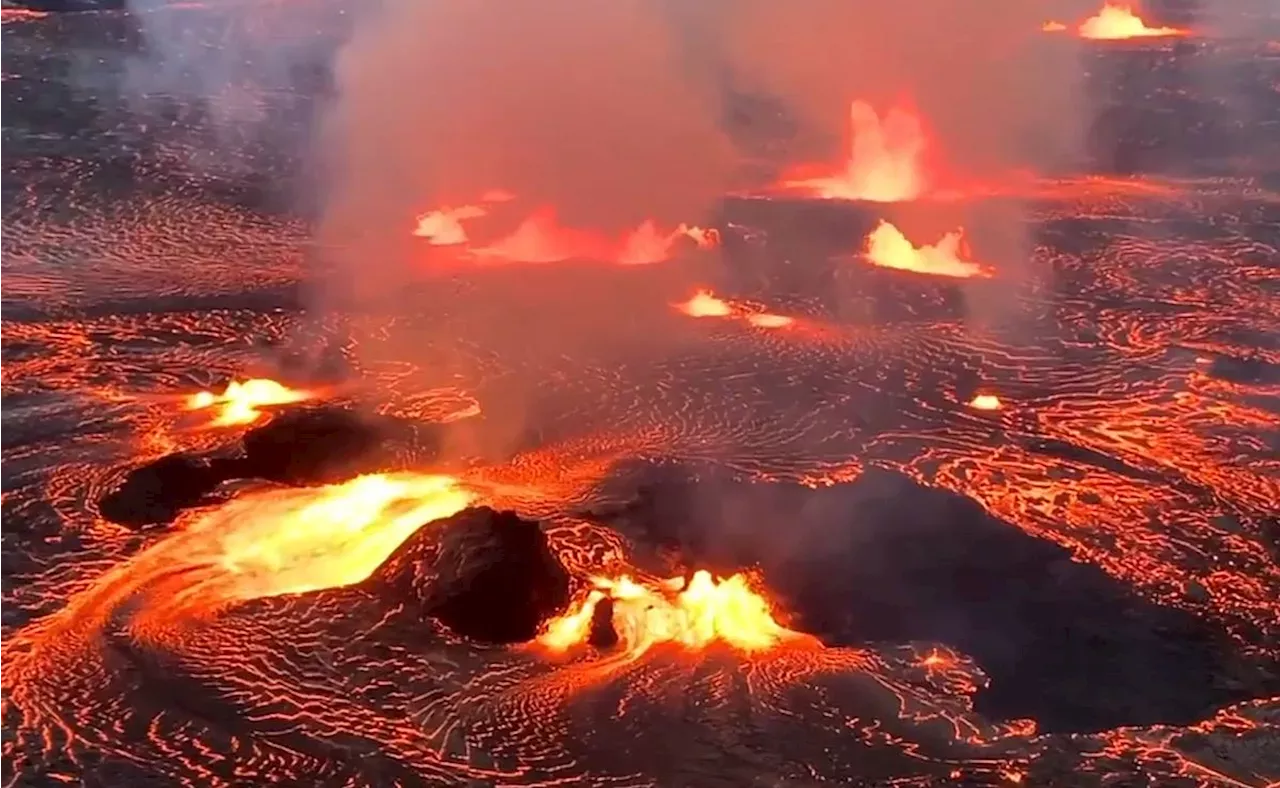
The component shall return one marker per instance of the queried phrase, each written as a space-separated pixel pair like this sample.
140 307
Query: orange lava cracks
1118 21
887 247
242 403
691 613
885 161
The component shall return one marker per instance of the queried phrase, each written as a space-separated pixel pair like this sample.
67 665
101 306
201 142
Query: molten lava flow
541 239
289 541
1118 21
985 402
267 543
241 403
704 304
889 248
885 162
284 541
443 227
693 615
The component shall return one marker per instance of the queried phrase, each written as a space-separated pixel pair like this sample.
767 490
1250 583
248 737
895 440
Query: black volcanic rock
155 493
487 575
884 559
314 445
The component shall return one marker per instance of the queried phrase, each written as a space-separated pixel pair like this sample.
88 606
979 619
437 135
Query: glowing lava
889 248
290 541
704 304
443 227
885 161
242 403
542 239
692 614
1118 21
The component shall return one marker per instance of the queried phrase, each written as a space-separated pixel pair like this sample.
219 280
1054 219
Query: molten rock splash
887 247
885 159
242 403
1118 21
693 614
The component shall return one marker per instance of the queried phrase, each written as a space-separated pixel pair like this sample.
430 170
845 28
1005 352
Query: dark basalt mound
488 576
155 493
885 559
315 445
309 446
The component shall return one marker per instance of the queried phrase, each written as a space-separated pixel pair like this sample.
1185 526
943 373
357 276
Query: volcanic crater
821 491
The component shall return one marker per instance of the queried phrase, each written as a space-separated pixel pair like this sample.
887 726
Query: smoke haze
614 113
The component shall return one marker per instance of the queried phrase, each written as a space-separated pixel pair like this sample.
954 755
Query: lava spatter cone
488 576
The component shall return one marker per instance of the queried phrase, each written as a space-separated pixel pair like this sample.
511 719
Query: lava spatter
885 159
244 402
887 247
540 237
1116 21
692 613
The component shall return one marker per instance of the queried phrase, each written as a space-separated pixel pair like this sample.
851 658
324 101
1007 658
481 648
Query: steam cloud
612 112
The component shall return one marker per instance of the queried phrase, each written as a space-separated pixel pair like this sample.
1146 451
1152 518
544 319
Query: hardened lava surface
1076 588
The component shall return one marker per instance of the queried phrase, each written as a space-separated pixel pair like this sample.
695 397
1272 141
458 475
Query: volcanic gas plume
576 110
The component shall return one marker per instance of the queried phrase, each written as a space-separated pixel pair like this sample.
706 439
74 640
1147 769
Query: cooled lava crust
1077 589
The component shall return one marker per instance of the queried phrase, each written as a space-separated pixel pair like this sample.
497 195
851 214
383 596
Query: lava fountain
692 614
242 403
1118 21
885 161
541 238
887 247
